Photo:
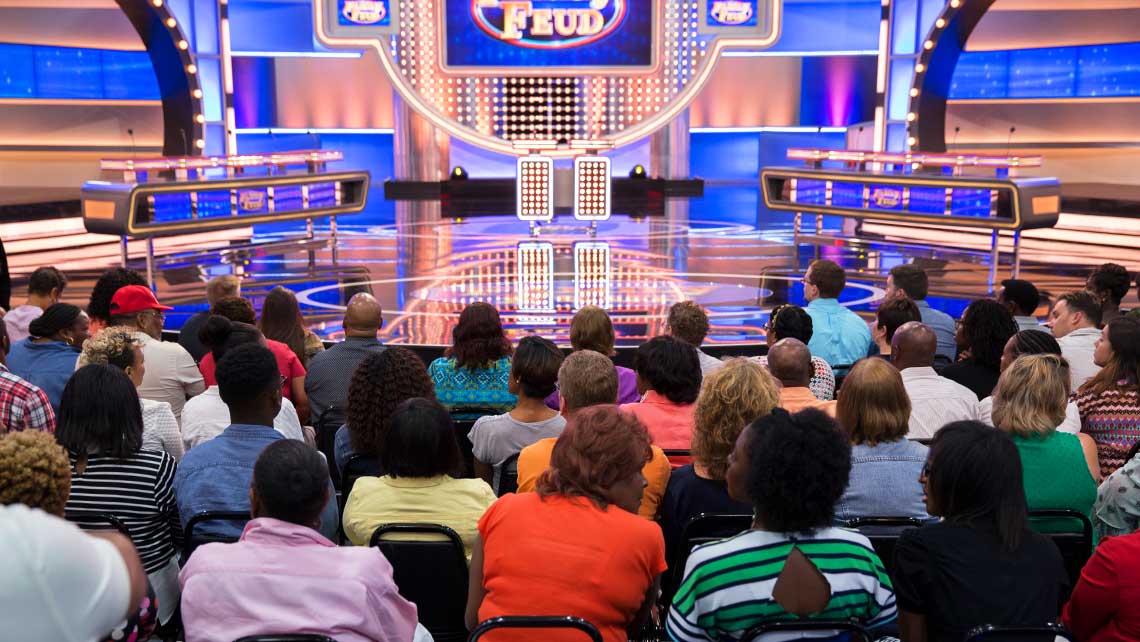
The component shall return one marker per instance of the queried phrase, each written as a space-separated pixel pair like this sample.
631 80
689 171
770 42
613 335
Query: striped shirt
139 491
727 588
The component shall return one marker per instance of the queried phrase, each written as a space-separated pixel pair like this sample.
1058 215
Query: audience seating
702 529
536 622
1045 633
508 476
84 520
191 541
326 440
431 574
851 630
357 466
1076 546
884 534
300 637
463 430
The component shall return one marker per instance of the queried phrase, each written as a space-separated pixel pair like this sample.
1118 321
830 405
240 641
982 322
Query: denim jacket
884 481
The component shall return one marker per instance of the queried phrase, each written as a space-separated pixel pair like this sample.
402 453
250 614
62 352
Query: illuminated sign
363 12
548 24
732 13
887 197
251 200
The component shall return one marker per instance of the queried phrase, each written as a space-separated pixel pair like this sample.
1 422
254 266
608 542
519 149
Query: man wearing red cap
171 374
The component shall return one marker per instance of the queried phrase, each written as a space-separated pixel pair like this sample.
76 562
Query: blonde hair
1031 395
591 329
34 471
732 397
113 346
223 286
873 406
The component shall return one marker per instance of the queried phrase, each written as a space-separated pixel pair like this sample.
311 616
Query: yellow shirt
455 503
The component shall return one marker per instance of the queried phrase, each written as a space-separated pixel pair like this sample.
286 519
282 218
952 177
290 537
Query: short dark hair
99 305
671 367
1035 342
46 279
789 321
220 335
798 467
1112 279
987 325
1085 303
975 479
535 366
235 308
1022 294
291 481
58 317
911 279
688 322
828 277
246 372
99 412
894 312
477 340
420 441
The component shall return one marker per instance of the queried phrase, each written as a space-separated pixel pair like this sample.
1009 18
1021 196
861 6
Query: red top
287 362
1105 606
669 424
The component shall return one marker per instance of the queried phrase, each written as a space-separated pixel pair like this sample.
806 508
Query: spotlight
638 171
458 174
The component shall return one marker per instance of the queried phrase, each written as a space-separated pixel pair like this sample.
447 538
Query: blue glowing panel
38 71
811 192
846 195
128 75
970 202
169 208
1053 72
69 73
1109 70
287 198
1043 72
214 204
928 200
17 71
984 74
322 195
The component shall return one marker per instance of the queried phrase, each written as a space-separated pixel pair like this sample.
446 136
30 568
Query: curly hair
281 320
602 446
381 382
986 327
592 329
688 322
114 346
34 471
99 305
478 339
798 467
235 308
1110 282
670 367
787 321
732 396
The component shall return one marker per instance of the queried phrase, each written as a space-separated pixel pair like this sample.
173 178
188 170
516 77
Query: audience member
474 371
787 321
892 313
420 461
534 376
1074 320
216 475
283 575
985 328
330 372
1021 298
586 502
216 288
793 564
874 411
934 399
1109 403
790 363
588 379
206 415
281 320
23 406
669 379
973 481
34 471
1030 342
381 382
100 425
99 304
1104 606
839 336
116 346
1109 284
47 357
171 374
731 397
592 329
689 322
45 287
912 281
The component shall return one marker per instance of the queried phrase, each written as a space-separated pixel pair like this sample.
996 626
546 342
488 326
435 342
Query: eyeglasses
157 313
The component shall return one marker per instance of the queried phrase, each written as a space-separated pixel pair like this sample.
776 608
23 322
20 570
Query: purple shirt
19 318
627 389
285 577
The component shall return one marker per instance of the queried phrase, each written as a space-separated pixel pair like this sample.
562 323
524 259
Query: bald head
789 360
363 316
914 346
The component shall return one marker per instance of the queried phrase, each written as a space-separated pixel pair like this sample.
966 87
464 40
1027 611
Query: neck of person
359 334
39 300
55 338
531 409
788 383
250 416
884 347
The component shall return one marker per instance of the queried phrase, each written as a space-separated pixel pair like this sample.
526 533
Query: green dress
1056 476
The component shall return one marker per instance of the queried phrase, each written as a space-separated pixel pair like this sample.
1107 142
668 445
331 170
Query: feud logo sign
548 24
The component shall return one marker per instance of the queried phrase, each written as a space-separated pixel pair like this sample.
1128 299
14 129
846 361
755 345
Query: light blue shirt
48 366
839 336
884 481
944 328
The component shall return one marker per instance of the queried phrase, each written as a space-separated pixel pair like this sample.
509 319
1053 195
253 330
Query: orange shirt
535 458
797 399
670 424
565 556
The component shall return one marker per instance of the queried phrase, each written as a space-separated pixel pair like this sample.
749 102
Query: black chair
96 521
464 419
850 630
296 637
535 622
430 574
884 534
702 529
191 540
925 441
840 373
356 467
1076 545
508 476
1047 632
672 453
326 441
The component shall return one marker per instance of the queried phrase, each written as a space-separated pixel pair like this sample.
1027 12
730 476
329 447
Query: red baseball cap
135 298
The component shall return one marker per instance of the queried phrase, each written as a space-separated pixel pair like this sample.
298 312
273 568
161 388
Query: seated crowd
243 480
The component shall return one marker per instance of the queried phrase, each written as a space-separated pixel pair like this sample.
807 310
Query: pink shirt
285 577
670 424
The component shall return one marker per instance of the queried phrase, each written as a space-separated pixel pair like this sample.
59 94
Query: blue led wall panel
837 91
1055 72
36 71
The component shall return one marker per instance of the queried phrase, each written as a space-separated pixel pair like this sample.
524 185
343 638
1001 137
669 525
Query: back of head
587 378
99 413
1085 303
873 405
1035 342
46 280
1032 394
600 447
34 471
670 367
987 325
363 315
798 466
57 317
221 335
113 346
912 280
421 441
245 373
894 312
1123 367
688 322
478 339
234 308
789 360
1110 282
222 286
592 329
732 396
291 482
281 320
535 367
1022 294
99 305
913 346
380 383
828 277
789 321
974 478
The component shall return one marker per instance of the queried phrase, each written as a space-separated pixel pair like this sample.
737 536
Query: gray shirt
329 374
494 438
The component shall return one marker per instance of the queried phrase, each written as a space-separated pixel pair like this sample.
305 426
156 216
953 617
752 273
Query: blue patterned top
459 388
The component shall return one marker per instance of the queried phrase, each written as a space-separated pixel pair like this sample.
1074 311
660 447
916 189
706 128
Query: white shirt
1077 347
709 363
935 401
160 429
171 374
206 416
1071 424
56 582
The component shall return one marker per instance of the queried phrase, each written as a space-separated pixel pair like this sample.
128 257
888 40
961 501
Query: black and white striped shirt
139 491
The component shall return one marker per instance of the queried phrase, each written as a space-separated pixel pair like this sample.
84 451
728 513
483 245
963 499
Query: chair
192 541
678 456
1047 632
840 372
508 476
326 442
296 637
1076 545
884 534
431 574
355 467
464 419
84 519
535 622
702 529
851 630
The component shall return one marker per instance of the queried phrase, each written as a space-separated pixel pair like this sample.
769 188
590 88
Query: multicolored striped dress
1112 419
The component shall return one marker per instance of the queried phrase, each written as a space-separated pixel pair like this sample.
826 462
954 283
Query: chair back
678 456
192 540
355 467
702 529
96 521
463 419
431 574
326 428
536 622
849 630
1047 632
884 533
1075 542
295 637
508 476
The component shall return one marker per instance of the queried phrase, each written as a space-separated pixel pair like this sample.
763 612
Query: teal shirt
1056 476
839 336
459 388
